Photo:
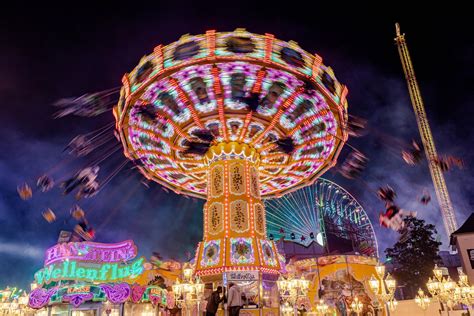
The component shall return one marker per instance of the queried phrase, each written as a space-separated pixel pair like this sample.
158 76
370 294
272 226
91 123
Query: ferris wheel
325 213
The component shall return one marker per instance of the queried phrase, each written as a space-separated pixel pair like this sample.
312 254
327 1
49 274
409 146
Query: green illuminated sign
77 270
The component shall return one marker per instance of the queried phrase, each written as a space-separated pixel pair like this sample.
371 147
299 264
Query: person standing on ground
214 300
234 300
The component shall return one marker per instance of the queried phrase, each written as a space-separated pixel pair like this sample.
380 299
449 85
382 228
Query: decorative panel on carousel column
212 253
268 254
217 181
254 183
215 218
242 252
259 218
237 178
239 217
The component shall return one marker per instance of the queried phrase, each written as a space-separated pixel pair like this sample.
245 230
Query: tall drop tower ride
442 194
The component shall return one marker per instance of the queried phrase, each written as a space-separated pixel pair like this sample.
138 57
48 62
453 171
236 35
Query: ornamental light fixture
383 287
422 300
357 306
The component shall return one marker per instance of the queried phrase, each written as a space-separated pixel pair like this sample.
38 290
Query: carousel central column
234 214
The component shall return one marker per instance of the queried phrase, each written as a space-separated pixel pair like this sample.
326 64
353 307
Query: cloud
23 250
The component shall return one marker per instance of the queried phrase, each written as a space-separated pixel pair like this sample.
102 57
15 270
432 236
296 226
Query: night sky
50 53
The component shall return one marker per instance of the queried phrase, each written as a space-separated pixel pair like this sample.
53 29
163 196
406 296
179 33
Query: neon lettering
137 268
73 270
80 273
114 272
103 271
91 274
39 277
72 275
65 266
56 273
91 252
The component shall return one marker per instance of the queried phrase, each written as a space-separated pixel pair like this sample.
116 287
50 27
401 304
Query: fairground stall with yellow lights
233 117
14 301
92 279
337 280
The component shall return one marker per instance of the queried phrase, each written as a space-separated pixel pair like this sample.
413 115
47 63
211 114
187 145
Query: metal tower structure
442 194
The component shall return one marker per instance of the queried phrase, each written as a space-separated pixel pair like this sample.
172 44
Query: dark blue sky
49 53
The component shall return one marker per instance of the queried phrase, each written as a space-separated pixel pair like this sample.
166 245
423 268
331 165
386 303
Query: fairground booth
337 279
92 279
14 301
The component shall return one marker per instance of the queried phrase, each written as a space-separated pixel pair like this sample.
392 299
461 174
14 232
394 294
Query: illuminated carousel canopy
226 88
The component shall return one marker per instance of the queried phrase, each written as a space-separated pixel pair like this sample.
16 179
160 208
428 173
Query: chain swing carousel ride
232 118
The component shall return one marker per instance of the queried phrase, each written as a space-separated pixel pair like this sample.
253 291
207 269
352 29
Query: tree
414 258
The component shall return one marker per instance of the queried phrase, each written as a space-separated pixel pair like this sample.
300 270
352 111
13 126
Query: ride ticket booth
250 289
259 295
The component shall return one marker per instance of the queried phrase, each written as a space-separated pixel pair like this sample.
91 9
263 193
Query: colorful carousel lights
383 287
232 117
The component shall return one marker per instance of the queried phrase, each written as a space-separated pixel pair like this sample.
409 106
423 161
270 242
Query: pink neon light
91 252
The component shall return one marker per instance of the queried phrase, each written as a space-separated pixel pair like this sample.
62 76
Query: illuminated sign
156 290
157 296
91 252
242 276
76 270
78 289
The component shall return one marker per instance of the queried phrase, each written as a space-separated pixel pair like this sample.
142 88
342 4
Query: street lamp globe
422 300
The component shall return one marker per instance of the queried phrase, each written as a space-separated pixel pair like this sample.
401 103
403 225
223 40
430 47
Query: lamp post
447 292
392 304
422 300
187 271
383 287
442 289
286 309
464 293
188 292
357 306
321 308
291 289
